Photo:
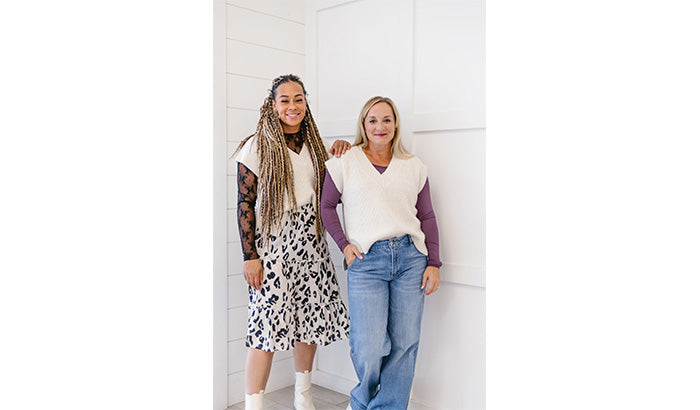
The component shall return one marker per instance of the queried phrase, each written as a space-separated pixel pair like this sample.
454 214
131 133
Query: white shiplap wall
428 56
264 39
220 338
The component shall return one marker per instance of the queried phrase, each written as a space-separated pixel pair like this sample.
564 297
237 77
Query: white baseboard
333 382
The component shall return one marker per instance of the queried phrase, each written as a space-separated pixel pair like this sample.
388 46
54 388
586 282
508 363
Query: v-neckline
303 146
372 165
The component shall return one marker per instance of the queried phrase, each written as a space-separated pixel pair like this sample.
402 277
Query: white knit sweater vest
304 176
379 206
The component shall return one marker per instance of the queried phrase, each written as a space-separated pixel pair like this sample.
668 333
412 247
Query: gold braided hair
276 179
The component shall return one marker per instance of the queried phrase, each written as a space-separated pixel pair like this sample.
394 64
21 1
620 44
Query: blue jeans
386 305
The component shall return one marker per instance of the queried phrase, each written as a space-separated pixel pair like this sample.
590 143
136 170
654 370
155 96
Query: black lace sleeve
247 195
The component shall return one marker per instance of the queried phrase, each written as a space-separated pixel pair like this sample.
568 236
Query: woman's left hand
432 277
339 147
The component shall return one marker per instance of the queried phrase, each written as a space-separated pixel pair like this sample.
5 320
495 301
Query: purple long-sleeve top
330 197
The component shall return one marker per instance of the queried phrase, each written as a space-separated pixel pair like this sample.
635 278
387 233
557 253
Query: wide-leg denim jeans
386 304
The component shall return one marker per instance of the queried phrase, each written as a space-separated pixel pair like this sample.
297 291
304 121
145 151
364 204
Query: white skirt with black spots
300 298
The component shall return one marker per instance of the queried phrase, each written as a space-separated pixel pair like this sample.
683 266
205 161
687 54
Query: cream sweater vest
304 177
379 206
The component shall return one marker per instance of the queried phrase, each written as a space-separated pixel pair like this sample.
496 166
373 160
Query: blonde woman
294 300
391 246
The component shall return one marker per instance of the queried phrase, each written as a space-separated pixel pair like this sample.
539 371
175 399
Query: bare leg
304 356
257 370
303 363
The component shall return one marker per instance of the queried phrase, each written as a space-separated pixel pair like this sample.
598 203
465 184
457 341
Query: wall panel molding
385 59
443 121
469 275
428 56
333 381
455 29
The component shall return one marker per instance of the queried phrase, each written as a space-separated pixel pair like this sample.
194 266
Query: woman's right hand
253 273
351 252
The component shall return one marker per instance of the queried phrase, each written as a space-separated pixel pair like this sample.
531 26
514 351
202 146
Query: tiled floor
324 399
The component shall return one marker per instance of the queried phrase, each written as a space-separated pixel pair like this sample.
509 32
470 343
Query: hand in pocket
351 252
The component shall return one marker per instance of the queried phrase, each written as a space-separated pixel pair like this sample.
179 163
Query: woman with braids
293 295
392 251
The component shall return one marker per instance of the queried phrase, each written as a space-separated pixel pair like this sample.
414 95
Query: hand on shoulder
339 148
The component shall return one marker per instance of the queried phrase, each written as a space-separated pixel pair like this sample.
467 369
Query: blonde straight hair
361 140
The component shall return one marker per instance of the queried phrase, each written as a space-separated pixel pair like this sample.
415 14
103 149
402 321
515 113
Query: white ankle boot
302 392
254 401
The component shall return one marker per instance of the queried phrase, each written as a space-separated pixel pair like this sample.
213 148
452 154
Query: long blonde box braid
276 179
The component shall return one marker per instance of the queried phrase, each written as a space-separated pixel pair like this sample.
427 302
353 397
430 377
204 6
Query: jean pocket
418 253
353 263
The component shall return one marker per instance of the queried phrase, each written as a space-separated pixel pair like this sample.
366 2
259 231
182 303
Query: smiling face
380 124
290 104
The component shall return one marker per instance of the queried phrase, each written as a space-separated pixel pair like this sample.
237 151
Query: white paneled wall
357 46
349 65
456 160
427 55
264 39
448 56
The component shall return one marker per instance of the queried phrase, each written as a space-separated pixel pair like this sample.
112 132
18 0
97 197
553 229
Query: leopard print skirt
300 298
